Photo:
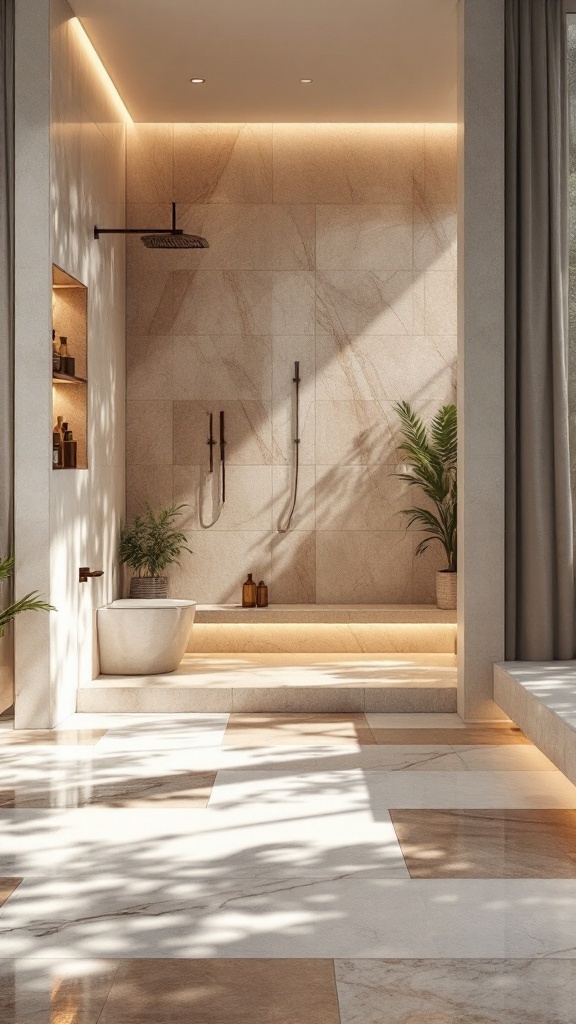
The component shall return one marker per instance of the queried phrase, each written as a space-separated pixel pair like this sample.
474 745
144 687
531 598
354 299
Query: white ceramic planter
139 637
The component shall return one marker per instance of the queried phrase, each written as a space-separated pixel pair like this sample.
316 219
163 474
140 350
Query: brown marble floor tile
51 737
487 843
186 789
48 992
223 992
477 735
7 887
297 730
456 991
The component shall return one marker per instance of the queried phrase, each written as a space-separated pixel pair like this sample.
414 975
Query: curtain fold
539 540
6 314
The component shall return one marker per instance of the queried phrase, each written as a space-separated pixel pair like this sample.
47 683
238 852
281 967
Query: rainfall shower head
175 240
159 238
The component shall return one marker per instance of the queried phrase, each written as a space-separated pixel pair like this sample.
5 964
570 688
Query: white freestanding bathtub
140 637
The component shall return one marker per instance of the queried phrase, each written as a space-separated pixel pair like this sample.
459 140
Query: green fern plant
431 455
29 603
151 543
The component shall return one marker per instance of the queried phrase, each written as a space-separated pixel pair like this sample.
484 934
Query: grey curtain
539 541
6 313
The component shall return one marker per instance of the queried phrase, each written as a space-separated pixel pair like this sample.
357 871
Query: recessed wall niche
70 382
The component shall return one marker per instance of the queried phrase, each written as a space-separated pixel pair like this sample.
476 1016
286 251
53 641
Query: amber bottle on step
262 595
249 593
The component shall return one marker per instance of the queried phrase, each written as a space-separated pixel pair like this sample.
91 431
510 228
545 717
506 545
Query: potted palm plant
29 603
429 457
149 545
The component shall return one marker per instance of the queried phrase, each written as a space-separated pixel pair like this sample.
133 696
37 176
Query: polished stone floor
282 869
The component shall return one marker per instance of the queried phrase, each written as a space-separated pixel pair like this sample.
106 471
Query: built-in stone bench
540 697
323 629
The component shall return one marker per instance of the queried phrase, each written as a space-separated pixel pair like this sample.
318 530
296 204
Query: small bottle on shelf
69 449
56 448
55 354
262 595
249 593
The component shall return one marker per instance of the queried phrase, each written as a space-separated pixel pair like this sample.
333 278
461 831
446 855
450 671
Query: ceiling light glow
197 81
306 81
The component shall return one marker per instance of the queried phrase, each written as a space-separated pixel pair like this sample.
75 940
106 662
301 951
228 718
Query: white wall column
32 369
480 354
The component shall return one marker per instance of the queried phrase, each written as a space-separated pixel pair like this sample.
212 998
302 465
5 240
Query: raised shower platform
299 658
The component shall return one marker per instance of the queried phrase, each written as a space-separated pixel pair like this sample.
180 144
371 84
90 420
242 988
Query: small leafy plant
29 603
151 543
431 458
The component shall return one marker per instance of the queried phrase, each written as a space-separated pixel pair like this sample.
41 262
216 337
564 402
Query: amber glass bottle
262 595
249 593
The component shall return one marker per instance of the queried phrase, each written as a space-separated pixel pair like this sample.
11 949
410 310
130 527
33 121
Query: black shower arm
142 231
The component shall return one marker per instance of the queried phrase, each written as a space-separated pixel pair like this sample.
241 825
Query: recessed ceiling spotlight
197 81
306 81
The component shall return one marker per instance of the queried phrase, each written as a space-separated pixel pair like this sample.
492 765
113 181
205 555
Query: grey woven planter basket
149 587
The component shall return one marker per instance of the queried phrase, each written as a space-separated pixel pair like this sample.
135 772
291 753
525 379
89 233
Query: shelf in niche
67 378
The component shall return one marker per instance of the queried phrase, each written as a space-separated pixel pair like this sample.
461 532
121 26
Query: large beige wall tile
248 430
435 236
149 163
438 184
364 567
364 237
145 486
356 433
149 372
359 498
370 302
293 572
352 163
149 433
223 163
377 367
440 299
219 565
243 302
215 367
149 299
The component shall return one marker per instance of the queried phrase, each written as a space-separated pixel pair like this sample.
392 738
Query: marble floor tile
185 789
515 757
271 730
456 991
155 991
487 843
475 735
223 992
116 916
7 887
54 992
50 737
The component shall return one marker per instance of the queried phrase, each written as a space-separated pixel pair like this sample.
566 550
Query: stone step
297 683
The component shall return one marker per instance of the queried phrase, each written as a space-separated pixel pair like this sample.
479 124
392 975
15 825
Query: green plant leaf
431 457
152 542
